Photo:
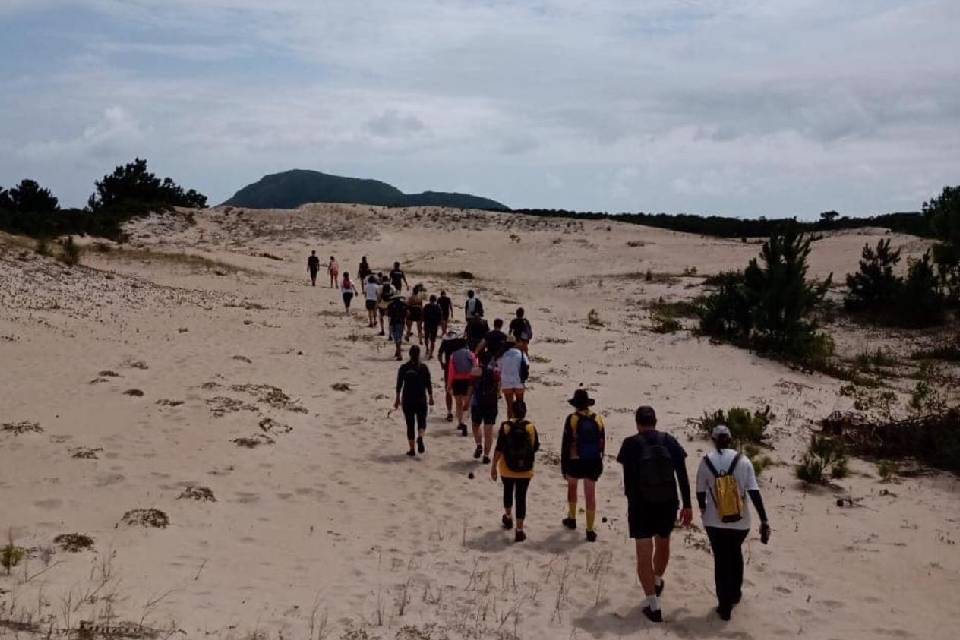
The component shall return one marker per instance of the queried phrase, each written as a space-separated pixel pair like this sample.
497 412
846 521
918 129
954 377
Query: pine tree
875 285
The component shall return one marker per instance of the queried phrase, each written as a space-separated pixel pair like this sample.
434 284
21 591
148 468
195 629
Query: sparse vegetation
747 427
888 470
823 454
70 252
10 554
73 542
927 398
145 518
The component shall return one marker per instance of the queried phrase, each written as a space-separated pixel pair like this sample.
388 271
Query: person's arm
497 453
429 382
565 442
396 403
603 435
536 439
757 501
683 481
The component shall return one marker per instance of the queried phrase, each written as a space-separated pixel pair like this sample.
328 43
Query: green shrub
875 285
922 302
926 398
747 427
888 470
760 464
70 252
823 453
878 358
11 555
664 324
43 246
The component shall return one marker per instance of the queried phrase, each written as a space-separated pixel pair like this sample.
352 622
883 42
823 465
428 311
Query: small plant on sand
43 246
823 454
593 319
11 554
747 427
70 252
665 324
888 470
73 542
926 397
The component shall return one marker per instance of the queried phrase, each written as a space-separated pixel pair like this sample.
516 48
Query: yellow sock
591 518
571 510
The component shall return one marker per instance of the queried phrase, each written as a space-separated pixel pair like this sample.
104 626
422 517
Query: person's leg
476 421
409 416
508 397
736 565
719 548
590 493
522 485
421 427
661 557
645 566
449 400
571 519
488 438
509 485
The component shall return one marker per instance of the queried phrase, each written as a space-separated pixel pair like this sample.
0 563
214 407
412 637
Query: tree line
131 190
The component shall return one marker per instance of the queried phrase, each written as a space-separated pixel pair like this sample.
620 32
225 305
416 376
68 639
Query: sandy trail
326 520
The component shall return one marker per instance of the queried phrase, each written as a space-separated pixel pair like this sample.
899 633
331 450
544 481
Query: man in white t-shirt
513 365
727 534
371 291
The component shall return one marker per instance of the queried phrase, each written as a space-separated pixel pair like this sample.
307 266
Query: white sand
332 521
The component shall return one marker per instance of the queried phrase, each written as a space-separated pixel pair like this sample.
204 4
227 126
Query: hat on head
581 399
721 430
452 334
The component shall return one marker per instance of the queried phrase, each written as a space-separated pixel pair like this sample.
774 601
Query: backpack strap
713 469
733 465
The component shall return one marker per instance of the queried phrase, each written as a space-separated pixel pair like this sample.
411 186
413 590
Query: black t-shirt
432 314
397 311
447 348
397 277
477 329
446 306
313 262
632 449
414 381
519 326
495 340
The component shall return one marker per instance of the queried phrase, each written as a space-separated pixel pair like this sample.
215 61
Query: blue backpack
589 438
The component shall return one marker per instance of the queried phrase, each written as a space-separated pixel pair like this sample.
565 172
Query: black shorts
431 331
461 387
347 297
371 305
484 415
583 469
415 314
647 520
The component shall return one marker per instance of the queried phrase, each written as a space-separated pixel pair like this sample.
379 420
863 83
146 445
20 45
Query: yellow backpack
726 491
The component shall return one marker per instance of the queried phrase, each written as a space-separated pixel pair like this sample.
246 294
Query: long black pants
416 417
727 563
519 487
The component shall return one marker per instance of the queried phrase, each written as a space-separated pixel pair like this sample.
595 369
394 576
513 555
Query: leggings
416 416
727 563
520 485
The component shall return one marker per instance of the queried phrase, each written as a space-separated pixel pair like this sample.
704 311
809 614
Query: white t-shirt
510 369
372 291
746 479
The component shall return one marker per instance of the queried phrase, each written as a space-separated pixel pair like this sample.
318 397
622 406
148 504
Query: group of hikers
481 365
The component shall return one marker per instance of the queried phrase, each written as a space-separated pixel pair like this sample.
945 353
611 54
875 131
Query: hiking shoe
520 536
591 536
463 429
478 452
658 588
507 522
486 459
736 599
653 616
570 523
420 447
411 453
382 333
449 417
724 613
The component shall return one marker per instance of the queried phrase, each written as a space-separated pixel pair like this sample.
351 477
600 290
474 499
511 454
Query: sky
729 107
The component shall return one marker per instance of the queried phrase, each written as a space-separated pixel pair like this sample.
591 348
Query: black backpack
589 438
518 451
650 475
487 392
524 368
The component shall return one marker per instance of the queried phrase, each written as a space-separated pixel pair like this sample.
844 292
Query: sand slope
325 524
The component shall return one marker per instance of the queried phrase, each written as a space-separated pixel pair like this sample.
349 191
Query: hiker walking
724 479
371 291
653 467
473 308
514 372
397 315
398 278
581 458
348 290
446 309
363 270
415 313
384 298
333 270
517 445
432 318
313 267
483 407
414 394
450 344
461 371
521 330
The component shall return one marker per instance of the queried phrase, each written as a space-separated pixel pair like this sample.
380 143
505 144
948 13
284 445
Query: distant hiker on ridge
313 267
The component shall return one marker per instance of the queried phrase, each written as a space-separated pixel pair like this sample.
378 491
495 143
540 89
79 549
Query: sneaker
658 588
449 417
382 333
478 452
420 447
737 598
724 613
411 453
591 536
520 536
463 430
507 521
486 459
570 523
653 616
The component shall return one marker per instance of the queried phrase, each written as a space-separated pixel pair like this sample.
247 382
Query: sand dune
290 506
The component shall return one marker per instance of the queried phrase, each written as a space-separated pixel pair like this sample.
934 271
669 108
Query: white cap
721 430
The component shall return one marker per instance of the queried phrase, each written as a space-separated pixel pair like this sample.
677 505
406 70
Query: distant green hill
291 189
